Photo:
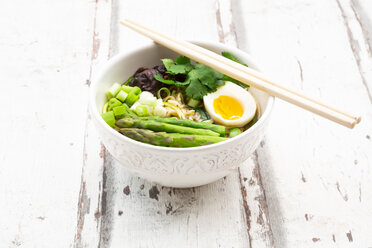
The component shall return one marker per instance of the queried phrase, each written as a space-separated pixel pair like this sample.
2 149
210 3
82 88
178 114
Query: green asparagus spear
169 139
189 123
162 127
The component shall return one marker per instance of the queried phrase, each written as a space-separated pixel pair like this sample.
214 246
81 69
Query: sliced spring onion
109 118
133 95
141 110
126 88
104 108
113 102
165 90
131 98
137 90
147 98
234 132
119 111
122 95
113 90
193 102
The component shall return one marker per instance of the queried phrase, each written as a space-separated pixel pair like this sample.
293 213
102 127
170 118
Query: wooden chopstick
248 70
245 75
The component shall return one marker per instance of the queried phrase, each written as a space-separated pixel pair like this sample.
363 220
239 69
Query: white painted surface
43 101
316 175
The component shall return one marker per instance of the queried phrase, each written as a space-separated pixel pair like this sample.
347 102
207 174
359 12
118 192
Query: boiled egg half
230 105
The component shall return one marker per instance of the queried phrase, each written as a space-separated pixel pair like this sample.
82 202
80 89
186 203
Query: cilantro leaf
181 60
170 82
200 79
167 63
220 82
216 74
227 78
197 65
179 69
205 76
174 69
182 84
196 90
231 57
161 79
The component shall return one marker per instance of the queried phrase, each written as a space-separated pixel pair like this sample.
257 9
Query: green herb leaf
205 76
179 69
196 89
231 57
203 114
227 78
181 60
182 84
220 83
161 79
200 79
167 63
216 74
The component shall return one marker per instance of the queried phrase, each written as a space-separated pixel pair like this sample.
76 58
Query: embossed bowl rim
120 56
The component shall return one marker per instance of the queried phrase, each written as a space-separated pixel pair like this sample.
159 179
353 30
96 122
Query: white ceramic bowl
174 167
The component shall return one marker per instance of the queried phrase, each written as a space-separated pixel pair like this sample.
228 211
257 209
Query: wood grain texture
60 188
359 44
316 175
253 193
43 95
92 201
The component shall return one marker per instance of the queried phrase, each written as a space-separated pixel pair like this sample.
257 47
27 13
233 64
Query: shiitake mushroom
144 78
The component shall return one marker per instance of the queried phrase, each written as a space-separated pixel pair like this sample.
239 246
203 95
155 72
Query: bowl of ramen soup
174 121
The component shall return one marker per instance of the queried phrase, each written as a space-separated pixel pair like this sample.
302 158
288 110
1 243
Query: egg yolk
228 107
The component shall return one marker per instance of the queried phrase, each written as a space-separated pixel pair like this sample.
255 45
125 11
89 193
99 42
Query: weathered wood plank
358 40
43 101
364 18
253 194
91 202
316 174
144 214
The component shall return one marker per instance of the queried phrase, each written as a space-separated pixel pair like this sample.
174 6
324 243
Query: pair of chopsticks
245 74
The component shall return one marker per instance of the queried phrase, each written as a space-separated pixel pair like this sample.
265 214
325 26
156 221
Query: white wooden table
309 184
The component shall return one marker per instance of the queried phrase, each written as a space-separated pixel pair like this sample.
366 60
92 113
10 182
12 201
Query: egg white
241 95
